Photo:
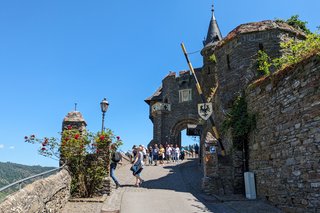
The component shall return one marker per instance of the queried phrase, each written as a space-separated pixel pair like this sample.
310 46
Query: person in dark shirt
155 153
116 157
196 150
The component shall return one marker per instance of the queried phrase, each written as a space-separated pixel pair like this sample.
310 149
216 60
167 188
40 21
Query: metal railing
20 182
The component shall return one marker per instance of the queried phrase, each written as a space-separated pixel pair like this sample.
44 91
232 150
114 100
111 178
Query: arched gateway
173 107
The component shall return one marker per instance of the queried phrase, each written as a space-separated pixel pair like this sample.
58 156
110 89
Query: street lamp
104 104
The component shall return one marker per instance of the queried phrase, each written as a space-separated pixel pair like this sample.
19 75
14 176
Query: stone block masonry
46 195
285 147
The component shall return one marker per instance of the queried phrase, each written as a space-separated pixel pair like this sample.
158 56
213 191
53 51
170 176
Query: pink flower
76 136
102 137
43 148
69 127
118 138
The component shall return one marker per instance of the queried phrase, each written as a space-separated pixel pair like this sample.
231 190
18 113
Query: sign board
212 149
193 130
205 110
161 107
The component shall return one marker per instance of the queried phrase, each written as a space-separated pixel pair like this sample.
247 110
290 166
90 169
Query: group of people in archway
169 153
153 155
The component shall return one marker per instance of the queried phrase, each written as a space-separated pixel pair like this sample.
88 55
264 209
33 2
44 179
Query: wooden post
214 129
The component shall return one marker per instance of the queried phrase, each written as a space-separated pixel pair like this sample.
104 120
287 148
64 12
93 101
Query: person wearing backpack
116 157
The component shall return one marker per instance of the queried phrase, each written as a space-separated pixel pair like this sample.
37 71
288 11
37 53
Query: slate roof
214 33
157 96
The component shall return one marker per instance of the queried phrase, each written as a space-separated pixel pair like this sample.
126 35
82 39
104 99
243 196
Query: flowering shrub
86 154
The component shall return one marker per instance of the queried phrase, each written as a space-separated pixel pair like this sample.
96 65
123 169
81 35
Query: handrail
28 178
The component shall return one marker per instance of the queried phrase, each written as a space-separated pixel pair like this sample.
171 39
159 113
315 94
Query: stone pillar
75 120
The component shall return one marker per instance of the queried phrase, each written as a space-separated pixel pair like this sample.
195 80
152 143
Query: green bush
239 121
264 63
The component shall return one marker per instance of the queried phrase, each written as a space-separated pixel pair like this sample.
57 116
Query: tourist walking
182 153
144 152
155 153
177 151
137 166
196 150
161 154
150 155
168 153
116 157
173 153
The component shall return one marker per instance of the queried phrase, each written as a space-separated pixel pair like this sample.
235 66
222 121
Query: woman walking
138 166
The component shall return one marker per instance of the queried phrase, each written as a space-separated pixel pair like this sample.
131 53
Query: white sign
161 106
205 110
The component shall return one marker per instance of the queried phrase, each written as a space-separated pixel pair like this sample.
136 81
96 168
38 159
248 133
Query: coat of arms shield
205 110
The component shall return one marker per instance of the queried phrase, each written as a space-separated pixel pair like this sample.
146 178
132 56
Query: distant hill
11 172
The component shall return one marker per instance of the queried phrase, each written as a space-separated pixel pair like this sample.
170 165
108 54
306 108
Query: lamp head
104 104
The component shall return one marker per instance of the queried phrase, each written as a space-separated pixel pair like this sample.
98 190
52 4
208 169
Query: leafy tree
295 22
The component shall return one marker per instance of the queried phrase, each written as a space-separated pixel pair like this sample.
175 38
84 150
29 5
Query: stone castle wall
234 69
168 124
285 147
46 195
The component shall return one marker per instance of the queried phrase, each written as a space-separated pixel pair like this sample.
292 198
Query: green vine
294 52
239 121
264 63
213 58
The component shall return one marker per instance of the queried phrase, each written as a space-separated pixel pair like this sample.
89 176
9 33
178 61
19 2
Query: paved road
172 188
175 188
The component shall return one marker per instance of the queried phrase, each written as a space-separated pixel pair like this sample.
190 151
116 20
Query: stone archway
175 132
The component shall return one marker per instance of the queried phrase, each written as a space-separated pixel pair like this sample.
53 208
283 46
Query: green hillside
12 172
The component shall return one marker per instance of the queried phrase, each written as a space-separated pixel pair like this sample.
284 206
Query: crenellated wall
45 195
285 147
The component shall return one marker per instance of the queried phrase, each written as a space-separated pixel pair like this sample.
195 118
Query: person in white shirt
168 153
177 151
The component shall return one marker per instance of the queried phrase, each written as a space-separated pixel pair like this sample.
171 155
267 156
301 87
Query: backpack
116 157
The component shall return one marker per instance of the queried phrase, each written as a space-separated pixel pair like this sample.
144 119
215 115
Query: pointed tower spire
214 34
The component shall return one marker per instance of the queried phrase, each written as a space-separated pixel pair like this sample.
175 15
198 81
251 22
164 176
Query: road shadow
183 177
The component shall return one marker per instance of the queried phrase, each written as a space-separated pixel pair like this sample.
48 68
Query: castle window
261 46
185 95
228 62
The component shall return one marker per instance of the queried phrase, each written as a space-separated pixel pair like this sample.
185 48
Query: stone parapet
46 195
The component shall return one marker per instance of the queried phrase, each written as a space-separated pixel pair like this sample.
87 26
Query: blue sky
56 53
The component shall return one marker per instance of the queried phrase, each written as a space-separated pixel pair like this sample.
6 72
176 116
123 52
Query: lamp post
104 104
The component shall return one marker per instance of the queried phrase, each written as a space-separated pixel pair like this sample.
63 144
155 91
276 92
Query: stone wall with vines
285 146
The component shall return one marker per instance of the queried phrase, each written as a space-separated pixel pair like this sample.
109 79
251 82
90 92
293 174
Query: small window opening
261 46
228 62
